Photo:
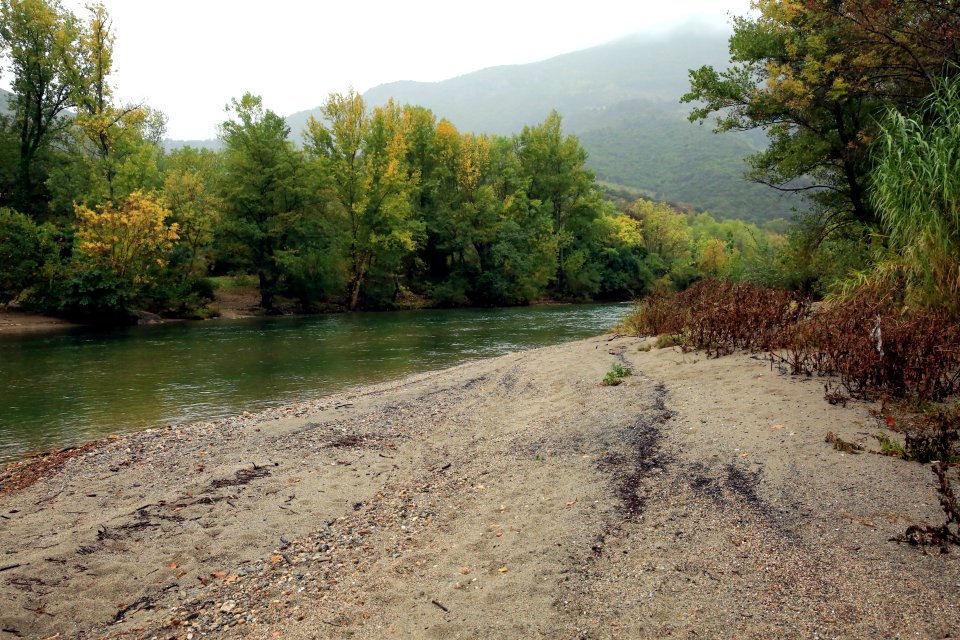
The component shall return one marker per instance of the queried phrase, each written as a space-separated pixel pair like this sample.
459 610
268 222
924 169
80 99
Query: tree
117 140
559 180
664 230
362 160
120 253
21 253
714 259
40 39
189 191
131 241
262 189
816 75
628 269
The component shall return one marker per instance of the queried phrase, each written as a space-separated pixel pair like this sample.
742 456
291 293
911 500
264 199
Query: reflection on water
65 388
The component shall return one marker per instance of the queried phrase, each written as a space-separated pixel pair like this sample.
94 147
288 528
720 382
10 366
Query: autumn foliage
130 240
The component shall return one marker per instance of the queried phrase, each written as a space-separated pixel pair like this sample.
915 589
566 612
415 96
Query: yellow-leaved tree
362 157
130 241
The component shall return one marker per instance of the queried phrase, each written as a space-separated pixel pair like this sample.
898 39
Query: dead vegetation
870 345
20 475
947 533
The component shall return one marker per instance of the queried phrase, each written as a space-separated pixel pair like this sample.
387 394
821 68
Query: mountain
211 143
622 100
582 85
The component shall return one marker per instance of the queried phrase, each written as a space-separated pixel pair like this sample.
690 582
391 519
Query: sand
18 322
510 497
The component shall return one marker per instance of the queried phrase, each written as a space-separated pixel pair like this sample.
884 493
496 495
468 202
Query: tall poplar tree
362 159
39 39
262 189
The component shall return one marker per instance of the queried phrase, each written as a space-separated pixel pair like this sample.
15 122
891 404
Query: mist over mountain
5 102
622 100
583 86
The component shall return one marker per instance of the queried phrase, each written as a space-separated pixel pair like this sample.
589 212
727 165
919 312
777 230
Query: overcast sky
189 57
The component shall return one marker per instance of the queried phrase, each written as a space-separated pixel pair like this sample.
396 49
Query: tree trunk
266 291
361 261
354 289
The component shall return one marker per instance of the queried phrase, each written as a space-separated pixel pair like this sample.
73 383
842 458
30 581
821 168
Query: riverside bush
872 342
720 317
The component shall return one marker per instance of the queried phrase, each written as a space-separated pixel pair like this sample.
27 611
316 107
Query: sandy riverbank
16 322
510 497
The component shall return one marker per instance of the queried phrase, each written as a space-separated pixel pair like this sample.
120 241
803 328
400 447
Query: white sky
189 57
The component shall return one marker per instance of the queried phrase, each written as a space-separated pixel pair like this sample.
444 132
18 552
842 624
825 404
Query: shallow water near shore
66 388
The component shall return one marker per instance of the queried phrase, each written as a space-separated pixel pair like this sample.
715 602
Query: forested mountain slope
622 100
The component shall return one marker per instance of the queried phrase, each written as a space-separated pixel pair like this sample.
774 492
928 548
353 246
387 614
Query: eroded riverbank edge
513 496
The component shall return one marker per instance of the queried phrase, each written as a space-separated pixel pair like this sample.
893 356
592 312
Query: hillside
622 100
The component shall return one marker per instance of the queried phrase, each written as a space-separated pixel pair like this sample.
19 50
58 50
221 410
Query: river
65 388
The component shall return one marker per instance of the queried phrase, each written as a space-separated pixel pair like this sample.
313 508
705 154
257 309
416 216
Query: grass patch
616 375
667 340
890 447
234 283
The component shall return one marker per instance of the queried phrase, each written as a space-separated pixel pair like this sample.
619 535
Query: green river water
65 388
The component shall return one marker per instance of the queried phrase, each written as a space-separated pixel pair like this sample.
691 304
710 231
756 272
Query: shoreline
509 496
15 322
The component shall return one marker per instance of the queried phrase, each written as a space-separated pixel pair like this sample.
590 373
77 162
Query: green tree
559 180
113 148
627 268
40 39
361 156
189 190
816 74
664 231
21 253
262 189
497 245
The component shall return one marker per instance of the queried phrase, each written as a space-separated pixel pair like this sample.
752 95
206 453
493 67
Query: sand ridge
514 496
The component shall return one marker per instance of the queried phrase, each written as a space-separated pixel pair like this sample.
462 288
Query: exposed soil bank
511 497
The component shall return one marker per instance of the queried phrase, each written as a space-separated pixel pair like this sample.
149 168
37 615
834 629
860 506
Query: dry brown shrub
877 348
721 317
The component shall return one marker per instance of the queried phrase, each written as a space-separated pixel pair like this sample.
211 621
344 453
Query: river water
69 387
